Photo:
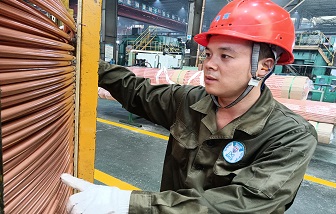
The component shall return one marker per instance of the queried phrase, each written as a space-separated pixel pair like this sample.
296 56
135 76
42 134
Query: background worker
232 147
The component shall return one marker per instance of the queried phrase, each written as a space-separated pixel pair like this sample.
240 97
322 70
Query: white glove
95 199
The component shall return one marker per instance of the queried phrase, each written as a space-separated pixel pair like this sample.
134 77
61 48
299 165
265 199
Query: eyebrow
224 49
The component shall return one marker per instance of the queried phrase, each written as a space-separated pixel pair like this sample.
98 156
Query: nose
210 63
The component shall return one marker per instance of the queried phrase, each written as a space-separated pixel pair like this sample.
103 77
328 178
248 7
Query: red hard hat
255 20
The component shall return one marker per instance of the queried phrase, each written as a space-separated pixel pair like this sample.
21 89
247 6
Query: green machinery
314 55
148 42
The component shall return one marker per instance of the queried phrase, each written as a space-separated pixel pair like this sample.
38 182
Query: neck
226 115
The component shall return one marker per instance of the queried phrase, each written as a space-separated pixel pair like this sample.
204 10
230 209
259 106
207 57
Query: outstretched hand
95 199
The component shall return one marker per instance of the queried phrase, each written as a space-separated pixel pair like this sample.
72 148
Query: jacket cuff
140 202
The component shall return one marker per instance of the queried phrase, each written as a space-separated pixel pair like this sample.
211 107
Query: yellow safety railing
320 40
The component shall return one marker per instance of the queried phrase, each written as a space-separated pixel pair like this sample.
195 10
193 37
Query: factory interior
55 119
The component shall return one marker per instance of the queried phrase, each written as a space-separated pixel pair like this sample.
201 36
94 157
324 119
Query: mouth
209 78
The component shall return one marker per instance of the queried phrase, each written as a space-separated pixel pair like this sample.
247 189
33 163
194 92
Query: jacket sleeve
265 186
138 96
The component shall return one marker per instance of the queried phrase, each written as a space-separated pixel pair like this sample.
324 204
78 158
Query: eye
207 55
224 56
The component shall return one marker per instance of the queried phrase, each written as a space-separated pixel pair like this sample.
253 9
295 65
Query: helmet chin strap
254 81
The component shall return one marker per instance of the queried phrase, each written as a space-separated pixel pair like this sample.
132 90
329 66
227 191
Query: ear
264 66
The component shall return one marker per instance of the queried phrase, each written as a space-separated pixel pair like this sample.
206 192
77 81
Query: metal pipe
200 31
290 2
296 6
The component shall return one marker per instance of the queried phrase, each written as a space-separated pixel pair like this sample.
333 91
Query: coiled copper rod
18 88
31 130
16 76
30 95
33 53
23 16
28 120
37 83
10 35
9 23
52 6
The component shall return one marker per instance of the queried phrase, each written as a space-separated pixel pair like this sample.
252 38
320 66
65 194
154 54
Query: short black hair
265 51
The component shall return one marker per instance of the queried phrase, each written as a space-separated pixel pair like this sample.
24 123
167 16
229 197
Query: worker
232 147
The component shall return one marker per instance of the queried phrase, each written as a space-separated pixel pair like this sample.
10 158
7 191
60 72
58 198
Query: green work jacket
255 164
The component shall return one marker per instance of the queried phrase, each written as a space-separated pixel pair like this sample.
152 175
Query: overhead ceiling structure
307 10
313 14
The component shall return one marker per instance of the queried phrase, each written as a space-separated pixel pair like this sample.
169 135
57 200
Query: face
227 67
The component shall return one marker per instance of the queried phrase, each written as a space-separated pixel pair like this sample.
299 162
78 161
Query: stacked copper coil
292 91
169 76
321 114
290 87
37 104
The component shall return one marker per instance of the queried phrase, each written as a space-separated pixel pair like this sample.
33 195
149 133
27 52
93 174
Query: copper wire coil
34 53
10 35
21 75
37 83
18 88
25 17
12 24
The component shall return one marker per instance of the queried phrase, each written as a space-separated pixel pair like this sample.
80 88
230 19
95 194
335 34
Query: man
232 148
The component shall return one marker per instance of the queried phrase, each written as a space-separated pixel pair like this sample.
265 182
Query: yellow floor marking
320 181
306 177
112 181
141 131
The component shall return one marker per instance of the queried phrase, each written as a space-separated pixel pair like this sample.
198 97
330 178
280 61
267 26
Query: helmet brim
203 39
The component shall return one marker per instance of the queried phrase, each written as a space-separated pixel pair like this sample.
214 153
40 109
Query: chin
210 91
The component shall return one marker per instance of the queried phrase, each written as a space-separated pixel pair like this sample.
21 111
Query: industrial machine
150 50
314 55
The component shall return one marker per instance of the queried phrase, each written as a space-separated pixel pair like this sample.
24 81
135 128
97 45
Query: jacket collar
251 122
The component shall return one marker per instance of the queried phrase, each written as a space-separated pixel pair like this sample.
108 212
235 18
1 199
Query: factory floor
131 157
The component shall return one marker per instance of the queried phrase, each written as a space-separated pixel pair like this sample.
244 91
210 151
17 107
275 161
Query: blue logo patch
226 15
217 18
234 152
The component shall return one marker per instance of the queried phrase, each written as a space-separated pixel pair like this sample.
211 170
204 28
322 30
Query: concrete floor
137 159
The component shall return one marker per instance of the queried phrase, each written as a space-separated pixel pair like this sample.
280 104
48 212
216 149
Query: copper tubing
4 21
37 104
36 153
28 120
52 6
26 64
31 130
53 148
29 9
22 76
37 161
321 112
23 16
43 197
10 35
60 5
34 190
58 206
27 96
53 204
50 171
18 88
32 141
33 106
32 53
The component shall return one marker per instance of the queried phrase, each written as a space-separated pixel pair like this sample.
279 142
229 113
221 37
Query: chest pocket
184 144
